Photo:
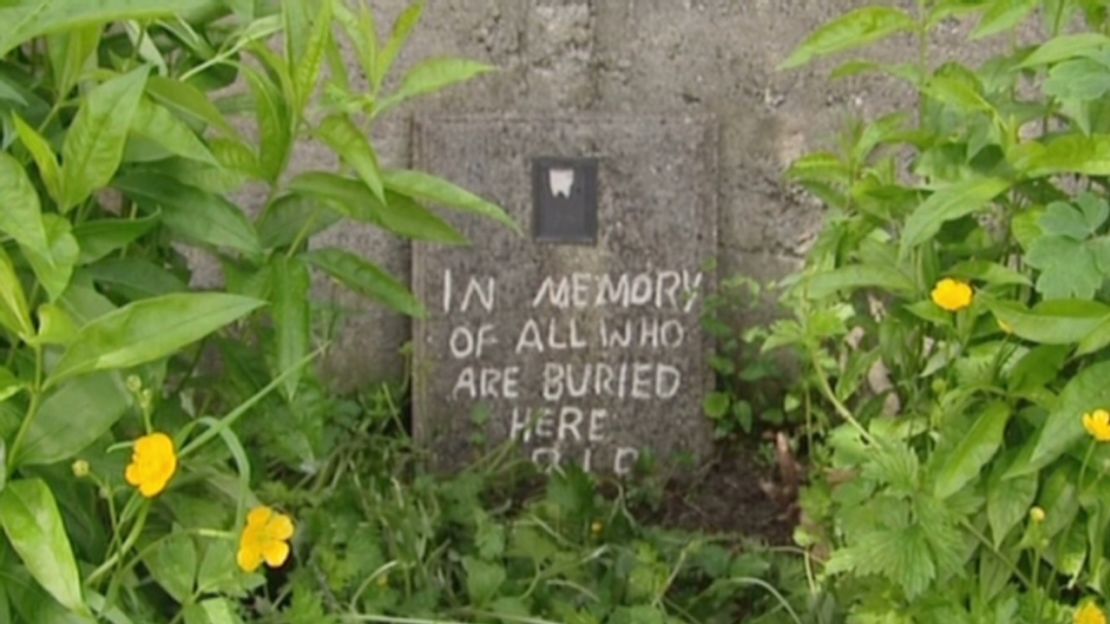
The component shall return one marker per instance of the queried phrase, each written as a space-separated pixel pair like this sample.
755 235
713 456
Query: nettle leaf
1065 47
430 76
853 30
351 145
1071 153
420 185
366 279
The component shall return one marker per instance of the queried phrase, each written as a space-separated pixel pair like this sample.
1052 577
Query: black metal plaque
564 196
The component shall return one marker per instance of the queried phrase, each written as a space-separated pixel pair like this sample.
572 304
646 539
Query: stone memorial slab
579 339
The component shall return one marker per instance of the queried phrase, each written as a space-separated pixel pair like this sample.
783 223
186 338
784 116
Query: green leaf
69 53
853 30
430 76
34 528
1003 16
346 140
197 216
1058 322
173 564
366 279
1069 269
157 124
54 267
1071 153
293 216
211 611
989 272
973 451
859 276
100 237
274 127
26 19
21 217
1097 340
187 100
291 307
1082 80
94 143
947 204
398 214
1008 501
135 278
1085 392
482 580
716 405
307 68
402 29
9 387
14 313
53 436
427 187
148 330
1065 47
43 156
56 326
1062 219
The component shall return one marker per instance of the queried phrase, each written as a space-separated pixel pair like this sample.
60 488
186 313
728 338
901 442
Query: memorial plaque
579 339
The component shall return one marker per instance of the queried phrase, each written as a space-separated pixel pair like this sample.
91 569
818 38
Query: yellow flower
1097 423
153 464
1037 515
953 295
265 538
1090 614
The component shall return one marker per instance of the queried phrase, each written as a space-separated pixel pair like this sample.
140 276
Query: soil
734 494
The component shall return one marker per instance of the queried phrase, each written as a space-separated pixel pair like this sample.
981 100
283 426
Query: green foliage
121 158
937 427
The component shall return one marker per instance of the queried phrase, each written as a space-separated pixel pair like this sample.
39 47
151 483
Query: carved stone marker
580 339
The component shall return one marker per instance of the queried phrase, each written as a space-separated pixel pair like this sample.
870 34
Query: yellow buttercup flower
266 538
153 464
953 295
1090 614
1097 423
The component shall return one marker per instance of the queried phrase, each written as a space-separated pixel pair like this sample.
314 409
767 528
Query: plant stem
827 391
32 411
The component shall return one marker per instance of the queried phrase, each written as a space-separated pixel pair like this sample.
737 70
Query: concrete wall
716 56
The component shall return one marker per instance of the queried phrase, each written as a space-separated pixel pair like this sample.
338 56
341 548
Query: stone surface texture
548 308
681 57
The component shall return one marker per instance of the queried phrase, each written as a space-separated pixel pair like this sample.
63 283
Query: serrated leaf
95 141
1082 80
43 155
352 146
366 279
30 18
188 100
398 214
291 308
853 30
274 126
430 76
100 237
1063 220
197 216
157 124
54 266
1071 153
402 29
147 330
431 188
173 564
1068 268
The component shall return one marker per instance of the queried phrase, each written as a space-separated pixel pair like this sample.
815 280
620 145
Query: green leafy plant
952 318
121 150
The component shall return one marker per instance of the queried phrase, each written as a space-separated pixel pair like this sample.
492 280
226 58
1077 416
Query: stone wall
649 56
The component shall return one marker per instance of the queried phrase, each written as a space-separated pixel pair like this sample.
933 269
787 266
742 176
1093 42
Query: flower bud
1037 515
134 384
81 469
